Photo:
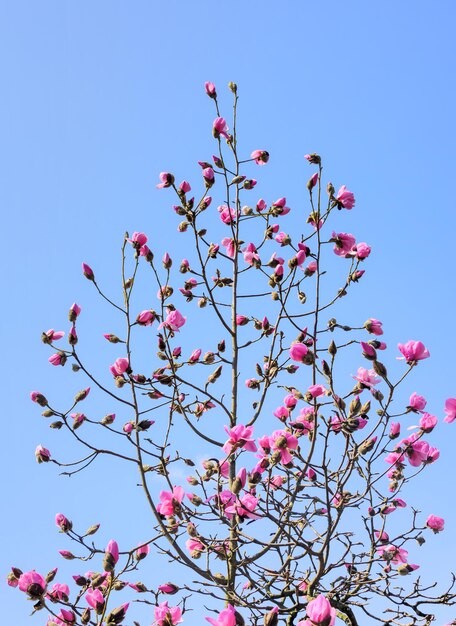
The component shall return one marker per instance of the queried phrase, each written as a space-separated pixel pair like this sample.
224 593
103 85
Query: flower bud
88 272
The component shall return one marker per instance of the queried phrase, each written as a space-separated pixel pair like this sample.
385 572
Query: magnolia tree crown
295 515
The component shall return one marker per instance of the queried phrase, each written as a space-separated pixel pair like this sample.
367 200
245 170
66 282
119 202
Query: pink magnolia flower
230 246
244 507
373 326
59 591
227 214
42 454
395 430
74 312
63 522
195 355
142 552
369 351
320 612
241 320
290 401
413 351
283 238
112 553
361 250
138 239
279 206
282 413
367 378
32 584
345 199
261 157
298 352
58 358
227 617
250 254
316 390
95 599
119 367
435 523
344 242
282 441
416 402
174 321
220 127
239 437
170 502
393 554
450 410
145 318
428 422
88 271
167 615
312 181
210 90
261 205
37 396
209 176
194 547
277 481
52 335
185 186
167 180
169 588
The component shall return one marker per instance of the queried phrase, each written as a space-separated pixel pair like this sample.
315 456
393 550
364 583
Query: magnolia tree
295 515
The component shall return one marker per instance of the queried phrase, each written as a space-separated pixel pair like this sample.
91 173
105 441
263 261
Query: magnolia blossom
428 422
261 157
435 523
167 615
220 127
450 410
316 390
344 242
194 547
174 321
367 378
298 352
138 239
95 599
261 205
361 250
32 584
167 180
227 214
413 351
239 437
230 246
227 617
42 454
170 502
393 554
373 326
210 89
74 312
52 335
145 318
59 591
281 441
320 612
244 507
345 198
63 523
416 402
119 367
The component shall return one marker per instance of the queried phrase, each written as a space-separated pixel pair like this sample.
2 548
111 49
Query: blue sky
99 97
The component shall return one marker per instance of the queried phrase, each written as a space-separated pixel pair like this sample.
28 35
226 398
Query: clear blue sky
99 97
